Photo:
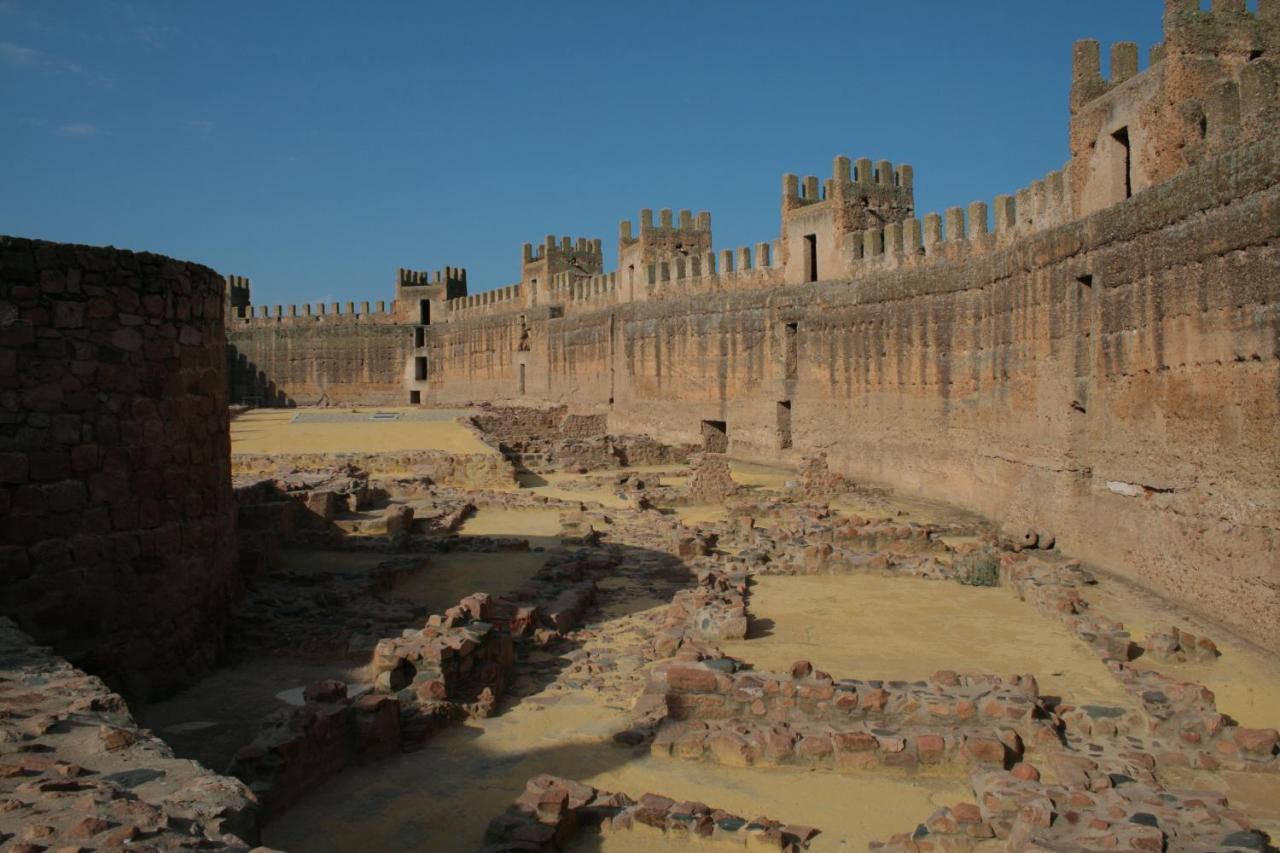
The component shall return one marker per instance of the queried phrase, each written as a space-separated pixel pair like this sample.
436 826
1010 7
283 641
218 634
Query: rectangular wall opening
522 379
715 437
790 354
811 257
1123 163
784 425
420 337
420 368
424 312
415 398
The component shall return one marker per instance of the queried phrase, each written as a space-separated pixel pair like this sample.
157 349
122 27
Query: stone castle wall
1094 354
1112 379
308 359
118 530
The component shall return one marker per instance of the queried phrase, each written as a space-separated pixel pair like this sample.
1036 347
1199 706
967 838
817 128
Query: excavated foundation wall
1114 380
117 529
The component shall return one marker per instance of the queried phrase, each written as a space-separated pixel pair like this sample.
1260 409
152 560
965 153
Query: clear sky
316 146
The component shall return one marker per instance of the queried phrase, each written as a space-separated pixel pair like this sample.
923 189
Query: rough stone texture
77 773
116 512
552 810
299 748
1093 358
464 470
1112 379
316 360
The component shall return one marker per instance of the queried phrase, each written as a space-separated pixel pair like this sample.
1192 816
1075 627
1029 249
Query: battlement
369 312
1227 24
1227 29
448 276
861 178
564 247
667 223
498 299
235 294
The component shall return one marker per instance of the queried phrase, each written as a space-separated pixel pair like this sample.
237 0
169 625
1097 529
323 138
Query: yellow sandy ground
441 798
552 486
448 578
1257 794
272 431
1245 680
500 521
872 626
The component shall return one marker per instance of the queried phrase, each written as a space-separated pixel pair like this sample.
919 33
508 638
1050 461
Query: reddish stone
930 748
1025 772
874 700
1255 741
967 813
691 679
854 742
88 827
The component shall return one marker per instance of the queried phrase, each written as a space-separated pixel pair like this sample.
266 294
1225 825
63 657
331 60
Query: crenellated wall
1095 354
1112 379
306 358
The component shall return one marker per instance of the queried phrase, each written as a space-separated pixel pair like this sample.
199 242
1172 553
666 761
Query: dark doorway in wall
811 257
420 337
1124 160
420 368
424 312
790 356
784 425
522 379
415 398
715 436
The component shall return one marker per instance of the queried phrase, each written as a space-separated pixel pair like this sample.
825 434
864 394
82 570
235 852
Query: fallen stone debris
551 811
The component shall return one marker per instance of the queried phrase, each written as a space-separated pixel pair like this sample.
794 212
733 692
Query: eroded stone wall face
117 531
1112 380
311 360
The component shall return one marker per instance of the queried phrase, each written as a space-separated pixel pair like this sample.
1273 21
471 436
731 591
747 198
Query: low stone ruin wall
713 611
545 440
810 719
76 772
298 748
551 811
457 470
455 667
1024 813
1178 721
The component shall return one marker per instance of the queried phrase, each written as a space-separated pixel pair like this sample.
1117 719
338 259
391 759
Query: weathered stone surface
115 440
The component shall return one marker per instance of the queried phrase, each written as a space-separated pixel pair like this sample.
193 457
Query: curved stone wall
117 529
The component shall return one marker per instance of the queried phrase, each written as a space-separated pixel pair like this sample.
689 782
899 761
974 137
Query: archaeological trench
916 532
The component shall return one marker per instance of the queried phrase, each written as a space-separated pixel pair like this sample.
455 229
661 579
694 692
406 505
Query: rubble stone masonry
1112 379
117 532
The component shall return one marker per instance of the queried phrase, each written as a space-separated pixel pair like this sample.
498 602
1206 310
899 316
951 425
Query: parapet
1087 81
376 312
448 276
236 290
562 246
1227 29
863 178
666 225
491 301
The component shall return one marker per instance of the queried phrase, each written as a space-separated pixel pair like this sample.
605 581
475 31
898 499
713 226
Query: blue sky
316 146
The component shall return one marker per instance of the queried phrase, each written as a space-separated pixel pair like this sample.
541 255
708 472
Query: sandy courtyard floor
292 431
875 627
